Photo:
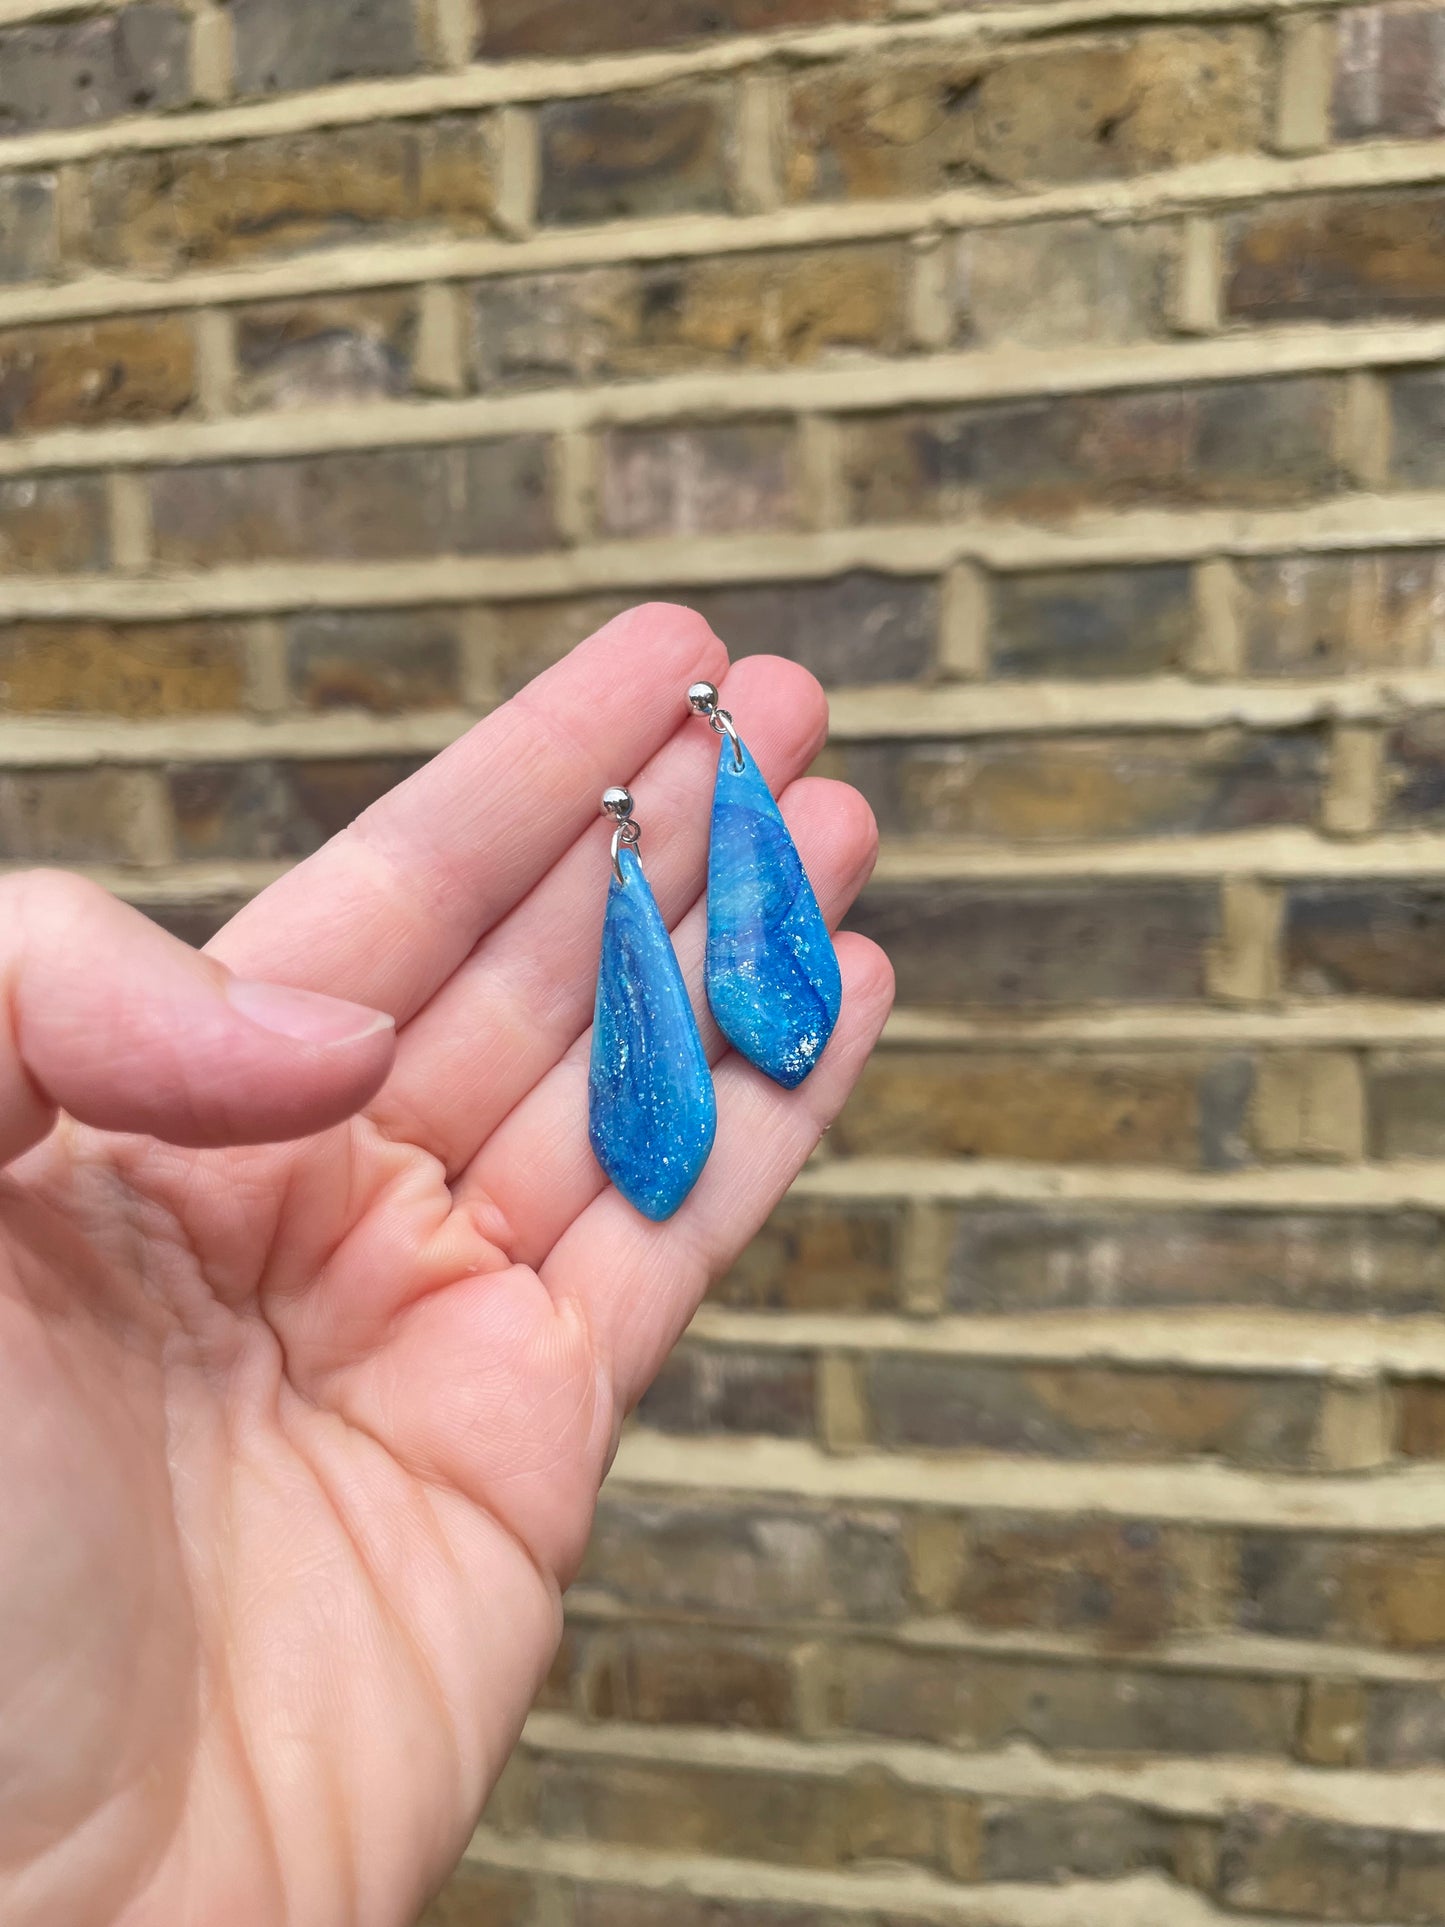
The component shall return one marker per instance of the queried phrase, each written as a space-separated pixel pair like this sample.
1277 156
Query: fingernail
305 1015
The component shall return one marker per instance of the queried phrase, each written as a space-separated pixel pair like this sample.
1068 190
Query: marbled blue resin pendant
772 972
652 1111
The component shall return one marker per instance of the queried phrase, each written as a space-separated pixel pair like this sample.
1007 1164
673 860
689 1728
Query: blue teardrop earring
772 972
652 1111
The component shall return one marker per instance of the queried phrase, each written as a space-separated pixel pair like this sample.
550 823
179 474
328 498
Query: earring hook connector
703 700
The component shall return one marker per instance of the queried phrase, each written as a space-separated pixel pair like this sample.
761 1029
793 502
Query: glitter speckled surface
772 972
651 1106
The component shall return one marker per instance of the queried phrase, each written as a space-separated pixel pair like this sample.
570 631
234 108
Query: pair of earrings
772 982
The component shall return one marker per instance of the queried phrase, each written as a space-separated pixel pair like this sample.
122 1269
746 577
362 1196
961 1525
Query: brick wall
1055 1496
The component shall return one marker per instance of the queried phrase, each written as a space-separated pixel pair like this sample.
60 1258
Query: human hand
299 1443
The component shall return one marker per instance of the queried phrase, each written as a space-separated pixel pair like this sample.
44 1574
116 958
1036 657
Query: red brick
281 47
700 481
1372 938
632 155
1337 258
963 944
71 73
298 354
816 1256
553 28
387 503
1390 73
83 374
1007 1258
1082 623
1069 111
1064 789
1241 442
53 525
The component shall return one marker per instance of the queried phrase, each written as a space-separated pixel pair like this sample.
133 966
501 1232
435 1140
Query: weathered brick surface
705 1390
29 234
274 809
696 481
1390 73
819 1257
1005 1259
76 375
386 661
1282 1864
945 1405
54 525
1380 1591
964 944
1337 258
970 1700
635 154
1062 283
1417 417
681 1677
857 629
747 1814
1109 1108
685 1555
66 73
145 670
1087 110
298 354
793 308
279 47
281 194
1126 1583
1091 622
72 816
1062 789
1405 1099
1100 1839
1375 939
1254 443
489 496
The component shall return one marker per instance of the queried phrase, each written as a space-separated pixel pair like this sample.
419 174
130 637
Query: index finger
388 909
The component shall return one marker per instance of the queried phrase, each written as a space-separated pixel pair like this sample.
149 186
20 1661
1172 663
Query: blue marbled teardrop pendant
652 1109
772 972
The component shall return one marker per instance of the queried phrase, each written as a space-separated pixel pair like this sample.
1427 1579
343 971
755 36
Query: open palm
299 1443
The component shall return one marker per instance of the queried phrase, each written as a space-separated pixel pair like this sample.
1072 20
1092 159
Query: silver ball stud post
703 698
616 802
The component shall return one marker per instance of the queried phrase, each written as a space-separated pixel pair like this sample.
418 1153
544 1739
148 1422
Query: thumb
105 1016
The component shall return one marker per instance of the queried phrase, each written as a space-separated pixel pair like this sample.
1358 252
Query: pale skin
318 1323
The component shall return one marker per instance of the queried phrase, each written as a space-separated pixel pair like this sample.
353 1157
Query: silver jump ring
626 836
703 699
